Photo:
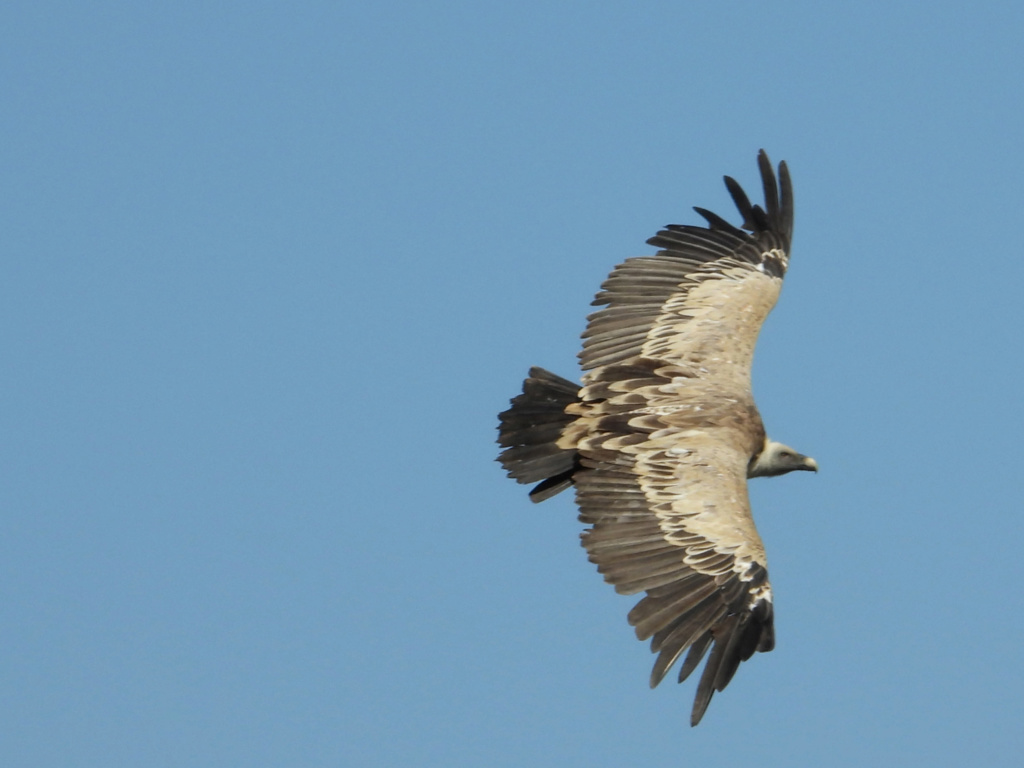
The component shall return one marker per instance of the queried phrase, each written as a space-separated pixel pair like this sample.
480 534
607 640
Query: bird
661 436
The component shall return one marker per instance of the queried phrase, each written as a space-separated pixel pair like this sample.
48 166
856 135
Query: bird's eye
786 455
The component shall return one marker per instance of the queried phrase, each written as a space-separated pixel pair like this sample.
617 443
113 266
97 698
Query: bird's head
778 459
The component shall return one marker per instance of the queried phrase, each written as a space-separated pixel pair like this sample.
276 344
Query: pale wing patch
697 488
715 323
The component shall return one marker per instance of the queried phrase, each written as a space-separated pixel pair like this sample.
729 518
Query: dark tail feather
529 430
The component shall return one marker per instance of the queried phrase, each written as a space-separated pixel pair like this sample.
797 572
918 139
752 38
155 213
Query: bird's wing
664 488
704 296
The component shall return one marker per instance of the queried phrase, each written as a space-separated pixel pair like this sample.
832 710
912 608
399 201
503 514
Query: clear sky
268 272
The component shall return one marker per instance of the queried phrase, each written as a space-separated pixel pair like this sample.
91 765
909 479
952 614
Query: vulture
659 439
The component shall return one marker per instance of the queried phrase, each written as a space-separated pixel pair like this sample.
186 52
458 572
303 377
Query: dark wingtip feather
717 222
695 656
786 186
778 195
723 636
777 214
739 197
771 186
749 628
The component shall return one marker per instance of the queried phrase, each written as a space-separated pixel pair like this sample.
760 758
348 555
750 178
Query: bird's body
661 437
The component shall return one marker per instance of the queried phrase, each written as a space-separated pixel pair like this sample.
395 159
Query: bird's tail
529 433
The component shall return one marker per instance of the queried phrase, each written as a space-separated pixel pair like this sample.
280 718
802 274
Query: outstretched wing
667 428
665 492
703 297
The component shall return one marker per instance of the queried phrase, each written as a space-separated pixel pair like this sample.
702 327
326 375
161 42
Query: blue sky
269 271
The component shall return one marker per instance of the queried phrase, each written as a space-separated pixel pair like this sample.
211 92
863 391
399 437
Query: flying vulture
661 437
